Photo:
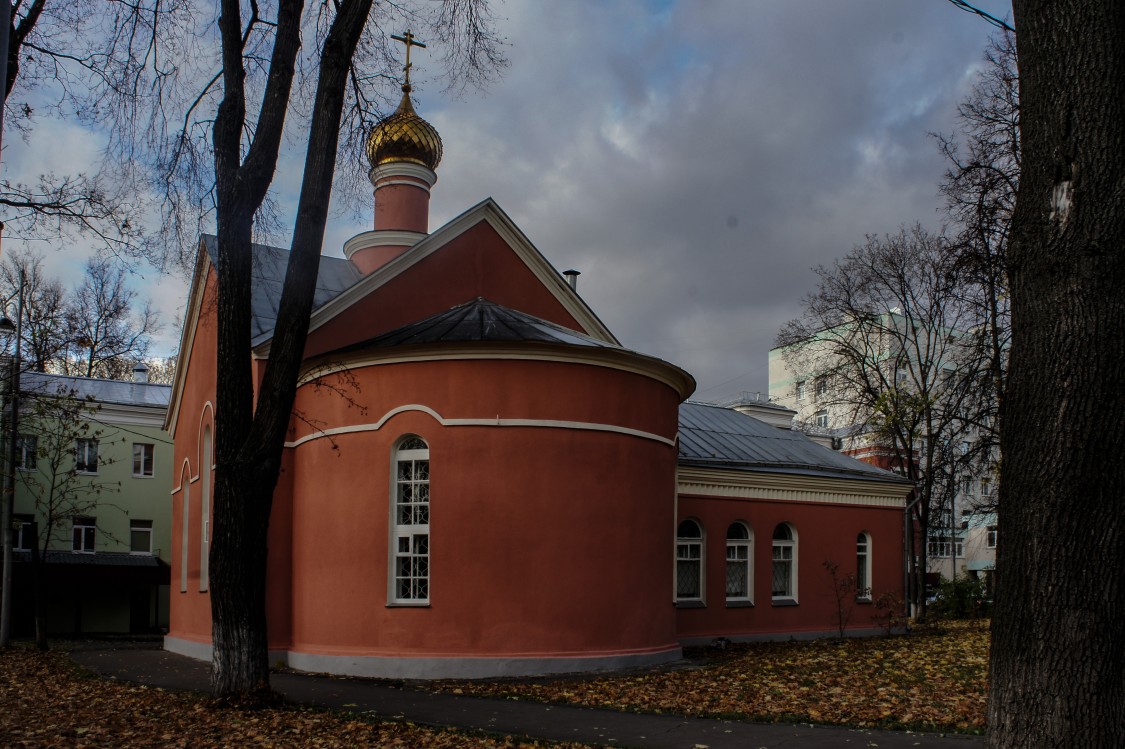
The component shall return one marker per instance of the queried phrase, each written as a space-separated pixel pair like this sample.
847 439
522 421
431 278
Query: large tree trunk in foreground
250 436
1058 647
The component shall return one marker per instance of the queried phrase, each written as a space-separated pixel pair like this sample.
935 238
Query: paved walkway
510 717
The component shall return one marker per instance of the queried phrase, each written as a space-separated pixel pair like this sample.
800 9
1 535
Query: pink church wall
824 532
545 542
190 610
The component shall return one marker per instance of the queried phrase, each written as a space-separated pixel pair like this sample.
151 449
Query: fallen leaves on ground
46 702
932 679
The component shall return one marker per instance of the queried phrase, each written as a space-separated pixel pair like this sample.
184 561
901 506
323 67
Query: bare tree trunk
249 439
1059 629
39 596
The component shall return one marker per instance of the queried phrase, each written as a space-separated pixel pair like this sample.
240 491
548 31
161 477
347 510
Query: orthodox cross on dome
408 40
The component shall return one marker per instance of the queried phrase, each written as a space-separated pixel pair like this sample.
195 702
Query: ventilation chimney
140 373
572 278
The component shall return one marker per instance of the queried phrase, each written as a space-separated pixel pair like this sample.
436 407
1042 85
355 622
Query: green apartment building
92 486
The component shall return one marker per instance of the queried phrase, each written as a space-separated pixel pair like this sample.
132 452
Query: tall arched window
784 586
740 569
185 503
205 462
689 561
410 528
863 566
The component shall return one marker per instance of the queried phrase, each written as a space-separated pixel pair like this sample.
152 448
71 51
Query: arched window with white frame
410 523
784 577
863 566
740 565
205 463
689 562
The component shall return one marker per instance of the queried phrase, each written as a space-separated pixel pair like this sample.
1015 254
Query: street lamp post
9 494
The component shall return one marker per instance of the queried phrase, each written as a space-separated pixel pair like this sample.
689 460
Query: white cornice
747 484
620 359
382 238
403 169
187 337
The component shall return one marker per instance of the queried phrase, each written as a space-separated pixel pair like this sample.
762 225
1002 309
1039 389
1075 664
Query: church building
480 480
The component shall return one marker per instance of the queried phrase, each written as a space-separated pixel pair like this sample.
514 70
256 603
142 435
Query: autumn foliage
935 679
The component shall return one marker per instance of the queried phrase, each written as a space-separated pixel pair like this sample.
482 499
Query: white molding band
382 238
748 484
610 358
402 169
480 422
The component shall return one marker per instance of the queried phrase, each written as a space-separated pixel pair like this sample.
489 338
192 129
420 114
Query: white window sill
695 603
786 601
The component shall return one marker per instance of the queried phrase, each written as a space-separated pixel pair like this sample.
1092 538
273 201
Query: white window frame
801 390
83 448
83 535
740 560
820 387
144 459
784 552
821 418
21 532
863 566
986 487
689 556
408 571
140 526
992 534
27 452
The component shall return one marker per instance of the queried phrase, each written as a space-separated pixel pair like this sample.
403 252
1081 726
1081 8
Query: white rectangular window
86 457
800 390
821 387
990 538
411 534
23 532
142 460
822 418
27 452
986 487
83 534
863 567
140 536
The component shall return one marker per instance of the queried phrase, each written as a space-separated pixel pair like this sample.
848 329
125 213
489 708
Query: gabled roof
334 275
119 392
717 437
487 211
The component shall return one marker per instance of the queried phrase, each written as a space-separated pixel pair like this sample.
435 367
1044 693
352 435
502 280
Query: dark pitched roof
334 275
717 437
480 320
122 392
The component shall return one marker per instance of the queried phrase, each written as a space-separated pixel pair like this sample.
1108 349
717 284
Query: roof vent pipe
140 373
572 279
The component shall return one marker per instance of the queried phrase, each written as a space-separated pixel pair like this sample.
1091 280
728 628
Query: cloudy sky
694 159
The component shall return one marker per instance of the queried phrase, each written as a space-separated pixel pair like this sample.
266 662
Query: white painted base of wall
394 667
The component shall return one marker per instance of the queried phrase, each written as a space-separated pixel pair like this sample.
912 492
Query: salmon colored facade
480 480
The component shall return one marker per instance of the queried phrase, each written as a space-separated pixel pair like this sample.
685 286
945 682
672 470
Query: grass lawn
933 679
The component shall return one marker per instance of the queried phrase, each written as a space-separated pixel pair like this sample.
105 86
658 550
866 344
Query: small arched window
689 561
784 578
410 526
740 568
863 566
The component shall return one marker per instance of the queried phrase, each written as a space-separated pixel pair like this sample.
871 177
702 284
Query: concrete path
510 717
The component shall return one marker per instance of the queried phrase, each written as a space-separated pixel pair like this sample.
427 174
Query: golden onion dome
404 136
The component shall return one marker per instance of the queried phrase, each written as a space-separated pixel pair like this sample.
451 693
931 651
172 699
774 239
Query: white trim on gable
491 213
187 336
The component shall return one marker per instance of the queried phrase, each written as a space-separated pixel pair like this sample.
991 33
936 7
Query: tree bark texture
250 436
1058 647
